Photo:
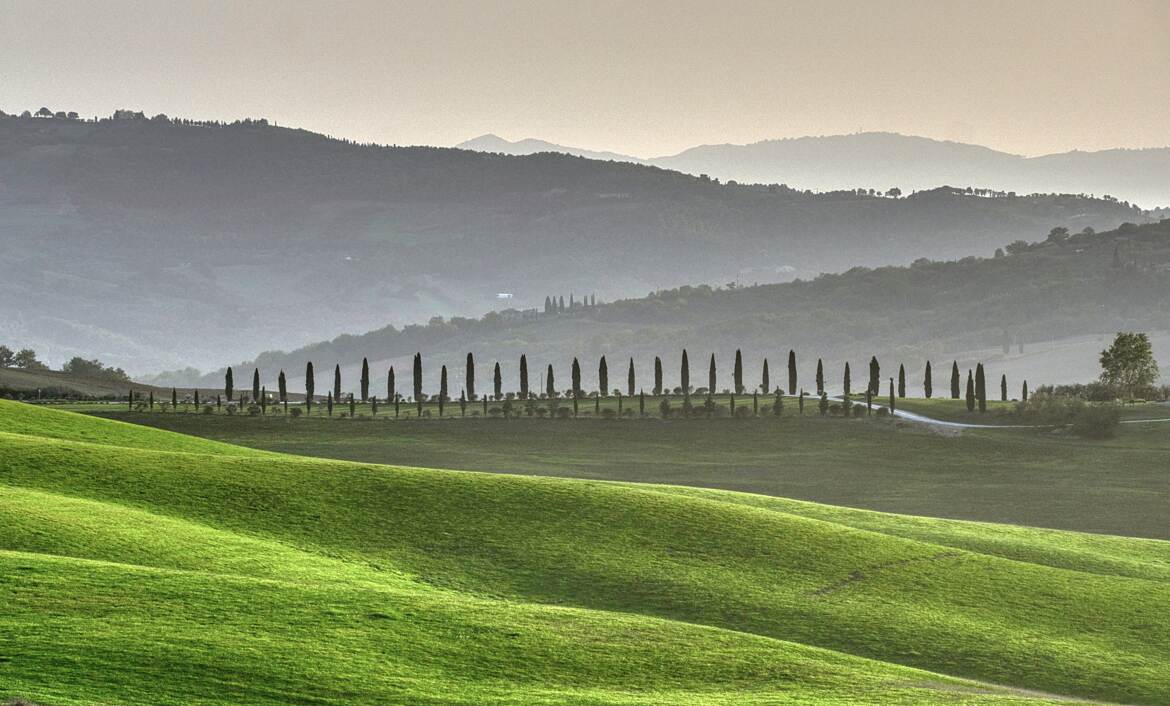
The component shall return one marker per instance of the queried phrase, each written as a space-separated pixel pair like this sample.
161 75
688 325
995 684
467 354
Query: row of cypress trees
976 389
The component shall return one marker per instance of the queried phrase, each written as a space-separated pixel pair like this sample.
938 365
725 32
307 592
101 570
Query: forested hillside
158 243
1012 304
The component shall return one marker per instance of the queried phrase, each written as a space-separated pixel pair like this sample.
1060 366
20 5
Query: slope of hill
159 244
883 160
147 567
1086 287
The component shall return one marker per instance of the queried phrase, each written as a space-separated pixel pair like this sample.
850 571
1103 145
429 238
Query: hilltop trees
523 376
657 376
927 382
1128 363
791 372
469 373
365 380
229 386
26 359
955 380
88 368
737 373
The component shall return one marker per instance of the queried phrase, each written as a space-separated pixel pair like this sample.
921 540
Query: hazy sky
641 77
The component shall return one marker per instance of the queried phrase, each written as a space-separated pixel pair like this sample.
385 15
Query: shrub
254 411
208 409
563 412
858 410
608 413
1097 422
294 412
231 410
495 411
883 412
742 413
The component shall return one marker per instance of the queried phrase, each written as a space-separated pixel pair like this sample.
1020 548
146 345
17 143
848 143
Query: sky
647 78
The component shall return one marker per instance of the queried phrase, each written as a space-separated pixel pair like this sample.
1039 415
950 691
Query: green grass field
139 566
1031 477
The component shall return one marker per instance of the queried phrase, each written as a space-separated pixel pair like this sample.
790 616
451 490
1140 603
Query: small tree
365 380
329 403
462 403
927 383
955 380
792 372
229 388
1128 364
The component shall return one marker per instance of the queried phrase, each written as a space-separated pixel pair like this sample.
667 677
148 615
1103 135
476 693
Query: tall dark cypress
365 381
1003 388
765 385
602 378
391 388
1024 392
442 389
174 400
497 382
329 403
893 403
256 384
561 305
875 376
711 377
310 386
737 372
846 382
417 371
657 376
630 379
523 377
282 387
229 388
685 374
469 377
970 392
337 383
927 383
550 386
463 397
791 372
820 377
980 388
576 379
901 380
352 410
955 380
641 403
547 305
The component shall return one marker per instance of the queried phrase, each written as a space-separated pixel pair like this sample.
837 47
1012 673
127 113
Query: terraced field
140 566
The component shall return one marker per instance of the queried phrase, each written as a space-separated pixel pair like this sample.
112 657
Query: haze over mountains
158 243
881 160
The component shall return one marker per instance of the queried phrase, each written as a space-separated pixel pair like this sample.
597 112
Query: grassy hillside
144 567
159 243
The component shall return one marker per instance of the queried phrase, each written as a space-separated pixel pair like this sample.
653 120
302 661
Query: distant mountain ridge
883 160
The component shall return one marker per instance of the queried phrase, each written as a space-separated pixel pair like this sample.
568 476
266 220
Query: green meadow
140 566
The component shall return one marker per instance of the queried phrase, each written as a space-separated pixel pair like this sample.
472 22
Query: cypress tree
561 306
442 388
980 388
778 405
685 375
875 376
229 385
310 386
791 372
641 403
1003 388
820 377
130 400
970 392
418 382
602 378
174 400
523 377
597 405
800 403
550 388
737 373
150 398
955 380
374 405
765 385
927 383
196 391
282 389
397 404
711 377
329 402
463 397
365 380
547 305
484 398
847 382
218 402
576 380
337 383
901 380
263 400
498 382
893 403
1024 392
657 376
755 404
391 392
256 384
619 399
469 377
352 411
630 379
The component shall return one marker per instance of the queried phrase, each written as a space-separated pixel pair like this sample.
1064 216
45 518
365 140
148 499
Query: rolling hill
156 243
1052 304
141 566
883 160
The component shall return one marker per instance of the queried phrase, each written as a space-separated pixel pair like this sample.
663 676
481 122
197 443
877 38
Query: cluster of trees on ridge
26 359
